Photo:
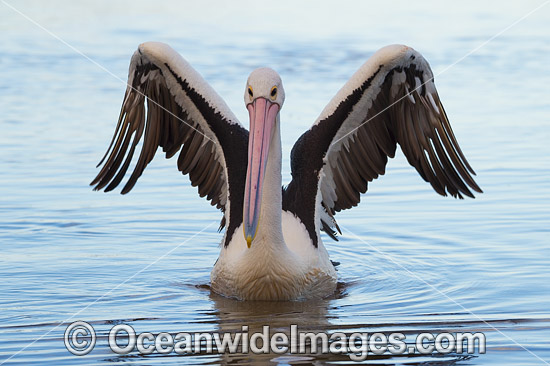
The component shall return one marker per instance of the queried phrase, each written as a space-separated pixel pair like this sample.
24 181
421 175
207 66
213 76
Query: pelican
272 247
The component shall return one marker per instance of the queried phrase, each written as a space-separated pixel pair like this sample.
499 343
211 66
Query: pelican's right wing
170 105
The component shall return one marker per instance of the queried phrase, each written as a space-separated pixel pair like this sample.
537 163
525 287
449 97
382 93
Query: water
411 261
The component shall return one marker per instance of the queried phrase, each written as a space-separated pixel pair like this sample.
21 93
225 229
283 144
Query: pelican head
264 96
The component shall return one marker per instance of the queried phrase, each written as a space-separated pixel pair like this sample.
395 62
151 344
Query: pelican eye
273 92
250 92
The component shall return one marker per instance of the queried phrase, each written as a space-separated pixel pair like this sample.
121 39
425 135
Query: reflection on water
311 316
411 261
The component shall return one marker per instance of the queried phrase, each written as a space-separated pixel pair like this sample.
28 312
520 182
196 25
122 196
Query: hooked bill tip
248 240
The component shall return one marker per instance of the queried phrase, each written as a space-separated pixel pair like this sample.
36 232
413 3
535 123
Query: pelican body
272 247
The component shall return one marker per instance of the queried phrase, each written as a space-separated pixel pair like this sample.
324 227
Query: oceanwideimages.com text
80 339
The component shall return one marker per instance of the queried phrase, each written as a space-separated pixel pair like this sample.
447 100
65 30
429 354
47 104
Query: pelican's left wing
390 100
169 105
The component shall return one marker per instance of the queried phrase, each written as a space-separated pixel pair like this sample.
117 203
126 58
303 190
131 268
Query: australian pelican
272 248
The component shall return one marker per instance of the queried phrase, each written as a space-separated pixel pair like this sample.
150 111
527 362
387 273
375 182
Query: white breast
291 271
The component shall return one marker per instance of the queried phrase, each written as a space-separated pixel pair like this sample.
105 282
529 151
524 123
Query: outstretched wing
168 104
391 99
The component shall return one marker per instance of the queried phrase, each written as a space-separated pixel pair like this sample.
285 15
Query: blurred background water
411 261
